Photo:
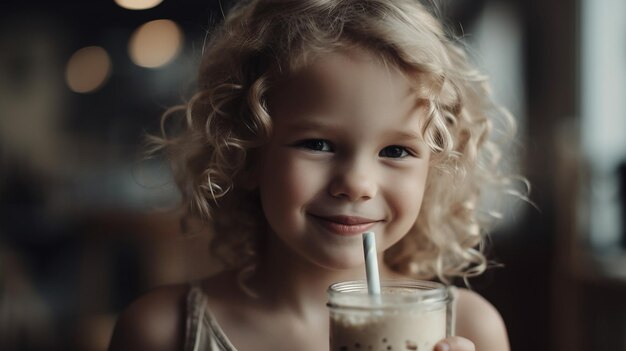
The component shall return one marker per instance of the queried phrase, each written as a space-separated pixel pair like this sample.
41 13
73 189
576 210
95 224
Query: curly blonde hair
227 120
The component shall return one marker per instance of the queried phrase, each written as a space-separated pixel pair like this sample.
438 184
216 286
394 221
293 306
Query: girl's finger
455 343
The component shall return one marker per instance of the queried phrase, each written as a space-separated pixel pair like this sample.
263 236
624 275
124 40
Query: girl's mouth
345 225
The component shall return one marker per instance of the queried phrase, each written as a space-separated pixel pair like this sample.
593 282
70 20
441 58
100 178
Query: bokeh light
138 4
88 69
155 43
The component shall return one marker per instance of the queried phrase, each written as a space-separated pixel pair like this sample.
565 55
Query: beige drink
409 315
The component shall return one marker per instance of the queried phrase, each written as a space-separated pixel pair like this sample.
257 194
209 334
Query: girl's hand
455 343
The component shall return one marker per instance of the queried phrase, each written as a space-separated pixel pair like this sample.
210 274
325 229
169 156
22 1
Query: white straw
371 263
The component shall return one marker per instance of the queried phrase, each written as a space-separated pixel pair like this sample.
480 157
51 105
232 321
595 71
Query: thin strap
203 332
196 304
453 294
217 334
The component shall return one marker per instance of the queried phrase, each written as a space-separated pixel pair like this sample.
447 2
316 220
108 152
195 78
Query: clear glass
408 315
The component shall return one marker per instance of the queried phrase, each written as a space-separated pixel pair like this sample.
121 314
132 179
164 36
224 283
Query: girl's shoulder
154 321
157 319
478 320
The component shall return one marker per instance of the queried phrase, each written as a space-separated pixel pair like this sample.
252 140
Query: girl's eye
316 145
394 151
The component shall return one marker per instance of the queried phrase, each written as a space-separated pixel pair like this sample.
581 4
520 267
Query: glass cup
408 315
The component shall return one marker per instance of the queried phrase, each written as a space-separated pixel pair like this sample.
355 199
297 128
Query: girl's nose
355 182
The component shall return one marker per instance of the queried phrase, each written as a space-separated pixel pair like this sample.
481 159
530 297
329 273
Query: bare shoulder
479 321
155 321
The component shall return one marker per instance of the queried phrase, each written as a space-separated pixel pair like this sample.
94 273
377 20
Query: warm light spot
138 4
155 43
88 69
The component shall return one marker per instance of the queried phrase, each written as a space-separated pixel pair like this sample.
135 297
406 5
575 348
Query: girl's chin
339 264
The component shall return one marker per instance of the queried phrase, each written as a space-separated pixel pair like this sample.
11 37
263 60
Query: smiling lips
346 225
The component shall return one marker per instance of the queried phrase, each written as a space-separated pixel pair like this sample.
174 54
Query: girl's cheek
301 178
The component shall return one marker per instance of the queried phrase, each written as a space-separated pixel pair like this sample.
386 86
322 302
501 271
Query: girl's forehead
348 69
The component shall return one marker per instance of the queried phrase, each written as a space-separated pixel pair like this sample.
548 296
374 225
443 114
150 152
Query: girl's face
346 156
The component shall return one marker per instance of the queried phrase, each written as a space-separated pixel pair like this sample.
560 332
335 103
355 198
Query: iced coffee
408 315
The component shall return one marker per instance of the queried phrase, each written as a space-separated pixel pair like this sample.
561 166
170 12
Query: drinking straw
371 264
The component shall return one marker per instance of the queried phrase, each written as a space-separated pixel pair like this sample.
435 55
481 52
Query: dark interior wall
523 289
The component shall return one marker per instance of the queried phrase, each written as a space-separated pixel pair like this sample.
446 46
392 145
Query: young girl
315 121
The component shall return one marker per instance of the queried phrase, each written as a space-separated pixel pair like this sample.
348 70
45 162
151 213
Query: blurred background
87 224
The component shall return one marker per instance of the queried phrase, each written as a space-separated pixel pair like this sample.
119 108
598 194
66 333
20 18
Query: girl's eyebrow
307 125
316 125
406 134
